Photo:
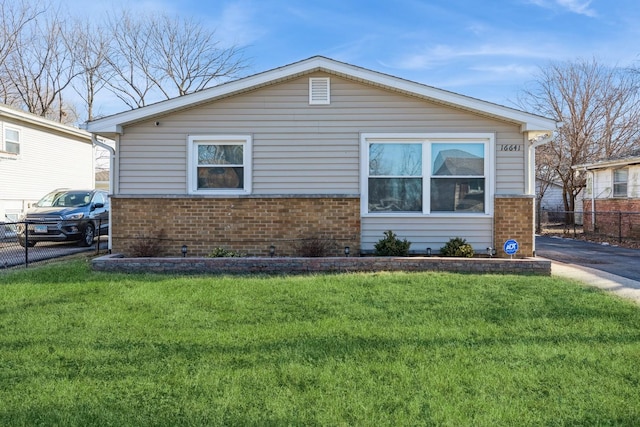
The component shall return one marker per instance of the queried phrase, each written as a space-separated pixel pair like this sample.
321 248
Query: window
620 177
427 173
12 141
457 177
219 164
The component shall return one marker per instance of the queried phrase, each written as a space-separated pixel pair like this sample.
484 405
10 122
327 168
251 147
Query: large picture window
220 164
427 174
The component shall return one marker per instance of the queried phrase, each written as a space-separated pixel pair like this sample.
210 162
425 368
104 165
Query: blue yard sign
510 247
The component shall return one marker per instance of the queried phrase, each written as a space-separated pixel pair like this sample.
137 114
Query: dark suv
64 215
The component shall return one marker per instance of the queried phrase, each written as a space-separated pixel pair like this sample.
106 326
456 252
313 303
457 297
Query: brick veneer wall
513 219
247 225
614 217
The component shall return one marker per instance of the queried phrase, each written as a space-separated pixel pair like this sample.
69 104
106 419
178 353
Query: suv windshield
65 199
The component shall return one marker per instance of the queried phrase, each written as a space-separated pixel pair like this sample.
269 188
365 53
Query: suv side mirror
97 206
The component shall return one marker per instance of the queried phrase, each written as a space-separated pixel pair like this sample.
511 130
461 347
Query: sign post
511 247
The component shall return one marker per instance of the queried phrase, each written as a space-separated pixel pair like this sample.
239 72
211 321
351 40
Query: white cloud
580 7
237 26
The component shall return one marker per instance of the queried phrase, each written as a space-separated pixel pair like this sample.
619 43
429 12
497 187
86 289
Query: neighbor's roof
108 126
7 112
629 159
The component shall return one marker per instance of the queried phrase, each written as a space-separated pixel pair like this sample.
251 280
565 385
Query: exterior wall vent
319 91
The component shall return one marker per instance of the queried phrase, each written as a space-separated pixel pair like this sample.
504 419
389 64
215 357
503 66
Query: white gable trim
527 121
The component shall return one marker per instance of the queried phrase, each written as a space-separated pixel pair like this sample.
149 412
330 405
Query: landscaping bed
300 265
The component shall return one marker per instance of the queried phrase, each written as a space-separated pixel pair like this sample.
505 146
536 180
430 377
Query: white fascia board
608 164
528 122
42 122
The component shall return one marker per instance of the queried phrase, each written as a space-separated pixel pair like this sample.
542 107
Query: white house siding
314 149
47 160
604 183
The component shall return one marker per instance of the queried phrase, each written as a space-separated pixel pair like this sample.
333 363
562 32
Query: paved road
610 259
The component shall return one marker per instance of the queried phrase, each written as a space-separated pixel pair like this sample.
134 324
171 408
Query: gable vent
319 90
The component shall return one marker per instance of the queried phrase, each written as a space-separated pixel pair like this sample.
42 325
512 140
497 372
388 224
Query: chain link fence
622 228
26 242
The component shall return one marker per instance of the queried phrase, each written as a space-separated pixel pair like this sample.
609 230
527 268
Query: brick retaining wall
282 265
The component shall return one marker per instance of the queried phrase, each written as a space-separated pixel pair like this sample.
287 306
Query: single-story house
37 156
321 148
613 191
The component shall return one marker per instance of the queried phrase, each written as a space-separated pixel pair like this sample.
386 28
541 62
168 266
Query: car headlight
74 216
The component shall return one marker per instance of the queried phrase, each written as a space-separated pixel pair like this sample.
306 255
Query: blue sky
488 49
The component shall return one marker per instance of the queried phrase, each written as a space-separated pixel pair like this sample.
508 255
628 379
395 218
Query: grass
85 348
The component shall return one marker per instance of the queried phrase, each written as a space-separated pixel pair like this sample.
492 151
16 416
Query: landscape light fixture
272 250
347 250
184 251
490 252
428 251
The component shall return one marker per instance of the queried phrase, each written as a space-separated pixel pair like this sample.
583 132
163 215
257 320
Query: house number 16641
510 147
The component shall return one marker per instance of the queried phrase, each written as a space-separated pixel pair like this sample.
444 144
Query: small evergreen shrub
457 247
223 253
391 245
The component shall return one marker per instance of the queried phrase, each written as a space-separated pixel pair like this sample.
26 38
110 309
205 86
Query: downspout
112 157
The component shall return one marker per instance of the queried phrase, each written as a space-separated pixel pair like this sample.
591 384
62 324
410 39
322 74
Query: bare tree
188 57
129 59
14 16
155 57
41 67
600 110
89 46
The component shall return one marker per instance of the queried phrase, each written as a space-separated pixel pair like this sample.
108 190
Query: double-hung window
427 173
12 140
219 164
620 178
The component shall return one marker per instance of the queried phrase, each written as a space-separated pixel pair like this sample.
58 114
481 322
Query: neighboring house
37 156
552 198
613 186
102 180
322 148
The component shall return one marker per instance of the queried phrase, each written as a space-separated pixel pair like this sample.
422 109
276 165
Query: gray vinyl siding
432 232
299 148
303 149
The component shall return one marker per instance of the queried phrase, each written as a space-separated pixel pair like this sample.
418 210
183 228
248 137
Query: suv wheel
88 235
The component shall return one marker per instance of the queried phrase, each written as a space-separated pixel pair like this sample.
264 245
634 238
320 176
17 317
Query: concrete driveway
608 267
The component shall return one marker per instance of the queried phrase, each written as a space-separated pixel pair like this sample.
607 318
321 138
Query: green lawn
81 348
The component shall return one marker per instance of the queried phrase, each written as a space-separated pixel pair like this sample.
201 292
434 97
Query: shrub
223 253
148 246
391 245
457 247
315 246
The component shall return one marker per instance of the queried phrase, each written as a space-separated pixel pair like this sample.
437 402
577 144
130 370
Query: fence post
26 244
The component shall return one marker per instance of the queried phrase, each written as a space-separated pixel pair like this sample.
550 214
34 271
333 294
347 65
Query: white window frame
4 139
192 162
615 183
426 139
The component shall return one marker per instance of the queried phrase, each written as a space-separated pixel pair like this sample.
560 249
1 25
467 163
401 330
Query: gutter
112 156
